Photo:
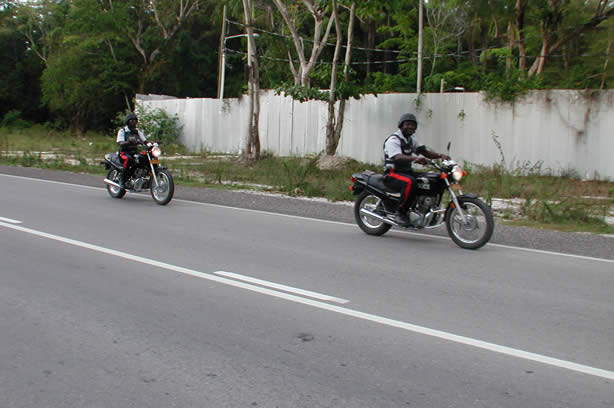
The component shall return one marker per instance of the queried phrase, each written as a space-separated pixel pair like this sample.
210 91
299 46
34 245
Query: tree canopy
79 62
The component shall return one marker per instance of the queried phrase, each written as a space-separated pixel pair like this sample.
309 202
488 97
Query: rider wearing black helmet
401 149
128 137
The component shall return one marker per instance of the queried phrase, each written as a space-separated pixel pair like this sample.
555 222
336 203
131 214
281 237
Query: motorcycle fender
459 198
357 188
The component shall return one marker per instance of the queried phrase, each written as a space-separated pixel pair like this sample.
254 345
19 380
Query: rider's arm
403 158
431 155
121 135
392 148
142 137
121 138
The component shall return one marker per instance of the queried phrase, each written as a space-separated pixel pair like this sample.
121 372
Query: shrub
155 123
12 119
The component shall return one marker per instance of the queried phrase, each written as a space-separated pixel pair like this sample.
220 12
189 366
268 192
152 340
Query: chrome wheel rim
371 203
474 227
160 192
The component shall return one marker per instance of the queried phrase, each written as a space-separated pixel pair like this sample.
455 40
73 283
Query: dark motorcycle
145 174
468 219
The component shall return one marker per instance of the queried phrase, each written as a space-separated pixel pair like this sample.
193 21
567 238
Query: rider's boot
121 179
401 218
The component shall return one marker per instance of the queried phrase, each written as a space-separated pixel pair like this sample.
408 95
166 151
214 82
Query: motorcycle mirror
448 148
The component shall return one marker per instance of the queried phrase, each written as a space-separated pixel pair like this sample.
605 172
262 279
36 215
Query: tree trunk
335 126
605 64
522 51
252 146
332 97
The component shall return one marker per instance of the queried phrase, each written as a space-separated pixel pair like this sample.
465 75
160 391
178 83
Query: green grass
548 202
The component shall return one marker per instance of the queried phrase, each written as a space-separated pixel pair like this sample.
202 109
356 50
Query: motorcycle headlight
457 173
156 152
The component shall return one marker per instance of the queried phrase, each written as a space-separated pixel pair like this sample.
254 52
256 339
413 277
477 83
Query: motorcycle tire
115 192
370 225
163 192
479 225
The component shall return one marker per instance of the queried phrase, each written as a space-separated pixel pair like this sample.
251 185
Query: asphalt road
225 299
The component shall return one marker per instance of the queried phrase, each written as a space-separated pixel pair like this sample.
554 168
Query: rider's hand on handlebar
444 156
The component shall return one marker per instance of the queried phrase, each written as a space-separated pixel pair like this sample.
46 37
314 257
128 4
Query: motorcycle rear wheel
115 192
370 225
163 192
478 227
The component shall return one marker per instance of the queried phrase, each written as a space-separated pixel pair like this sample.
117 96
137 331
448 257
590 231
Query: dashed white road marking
10 220
598 372
285 288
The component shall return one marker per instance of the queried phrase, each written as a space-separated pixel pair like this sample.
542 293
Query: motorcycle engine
425 203
141 176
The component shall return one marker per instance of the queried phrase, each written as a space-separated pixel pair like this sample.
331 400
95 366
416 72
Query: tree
306 66
446 20
150 26
81 84
334 124
41 22
252 149
555 28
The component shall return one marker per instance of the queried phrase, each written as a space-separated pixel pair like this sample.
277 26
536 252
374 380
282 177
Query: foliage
155 123
12 119
508 88
301 93
86 60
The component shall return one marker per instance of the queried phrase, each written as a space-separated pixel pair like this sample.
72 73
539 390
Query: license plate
155 161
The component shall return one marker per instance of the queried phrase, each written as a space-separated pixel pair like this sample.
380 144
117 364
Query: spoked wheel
115 192
477 228
163 192
367 223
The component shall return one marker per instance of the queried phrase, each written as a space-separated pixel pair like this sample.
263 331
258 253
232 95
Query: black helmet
130 116
407 117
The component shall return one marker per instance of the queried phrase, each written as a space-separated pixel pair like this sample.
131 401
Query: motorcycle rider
128 137
401 149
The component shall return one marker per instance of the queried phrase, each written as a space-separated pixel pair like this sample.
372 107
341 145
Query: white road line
598 372
10 220
285 288
538 251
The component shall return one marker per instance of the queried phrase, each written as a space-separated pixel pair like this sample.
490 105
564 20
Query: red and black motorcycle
468 219
145 174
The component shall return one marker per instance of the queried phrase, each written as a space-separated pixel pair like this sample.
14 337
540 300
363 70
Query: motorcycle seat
113 158
377 181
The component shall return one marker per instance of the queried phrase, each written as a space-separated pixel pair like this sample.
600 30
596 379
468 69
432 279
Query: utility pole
420 28
221 58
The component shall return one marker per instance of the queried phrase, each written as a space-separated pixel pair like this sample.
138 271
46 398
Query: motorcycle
146 173
469 221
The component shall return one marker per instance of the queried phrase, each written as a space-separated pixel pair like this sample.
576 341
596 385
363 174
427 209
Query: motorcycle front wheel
476 230
115 192
163 192
369 224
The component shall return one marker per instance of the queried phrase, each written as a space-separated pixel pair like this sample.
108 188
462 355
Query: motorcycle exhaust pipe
364 211
112 183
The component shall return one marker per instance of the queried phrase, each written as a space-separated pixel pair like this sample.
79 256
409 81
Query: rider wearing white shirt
128 137
401 149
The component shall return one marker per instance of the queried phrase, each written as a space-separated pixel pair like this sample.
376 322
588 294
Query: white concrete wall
558 130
